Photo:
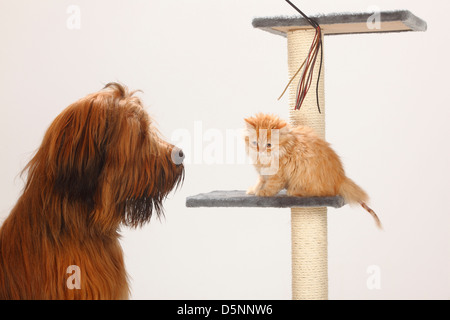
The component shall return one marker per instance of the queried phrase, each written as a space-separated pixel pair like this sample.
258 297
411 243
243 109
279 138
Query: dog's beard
139 211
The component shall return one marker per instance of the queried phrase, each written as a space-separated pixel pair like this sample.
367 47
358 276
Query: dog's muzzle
177 156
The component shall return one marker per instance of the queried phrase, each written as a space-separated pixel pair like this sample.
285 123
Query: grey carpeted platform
345 23
238 198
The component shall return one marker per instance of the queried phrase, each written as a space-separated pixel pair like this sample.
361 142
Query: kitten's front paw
251 190
294 193
266 193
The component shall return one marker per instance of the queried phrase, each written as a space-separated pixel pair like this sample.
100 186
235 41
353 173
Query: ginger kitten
296 159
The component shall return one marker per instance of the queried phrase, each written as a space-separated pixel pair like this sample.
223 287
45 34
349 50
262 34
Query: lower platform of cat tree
238 198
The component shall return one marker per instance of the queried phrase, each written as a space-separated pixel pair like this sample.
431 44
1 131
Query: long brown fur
101 164
297 160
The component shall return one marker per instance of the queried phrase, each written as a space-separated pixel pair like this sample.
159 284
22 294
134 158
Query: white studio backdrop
203 68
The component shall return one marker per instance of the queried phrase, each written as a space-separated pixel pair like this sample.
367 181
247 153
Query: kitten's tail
353 194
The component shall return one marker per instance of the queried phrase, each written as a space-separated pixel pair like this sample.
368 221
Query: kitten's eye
254 143
268 145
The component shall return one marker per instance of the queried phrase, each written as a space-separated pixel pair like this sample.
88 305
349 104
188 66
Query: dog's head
103 152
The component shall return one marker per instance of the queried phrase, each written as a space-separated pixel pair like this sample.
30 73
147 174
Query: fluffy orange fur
296 159
101 164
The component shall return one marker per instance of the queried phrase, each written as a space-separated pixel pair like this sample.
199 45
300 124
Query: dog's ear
76 149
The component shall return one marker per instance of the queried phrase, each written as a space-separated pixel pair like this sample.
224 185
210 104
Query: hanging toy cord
309 64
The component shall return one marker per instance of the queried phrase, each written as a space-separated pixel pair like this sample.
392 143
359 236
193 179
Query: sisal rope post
308 225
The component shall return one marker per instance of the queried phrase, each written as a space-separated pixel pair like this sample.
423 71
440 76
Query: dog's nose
177 156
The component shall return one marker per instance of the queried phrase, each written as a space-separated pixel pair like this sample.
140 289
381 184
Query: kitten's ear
250 122
283 127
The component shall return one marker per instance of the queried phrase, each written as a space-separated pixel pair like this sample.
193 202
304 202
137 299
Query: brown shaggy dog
101 164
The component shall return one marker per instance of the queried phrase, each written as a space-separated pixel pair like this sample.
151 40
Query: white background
387 117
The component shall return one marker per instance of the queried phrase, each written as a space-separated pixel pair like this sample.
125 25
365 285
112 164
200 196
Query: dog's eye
254 143
268 145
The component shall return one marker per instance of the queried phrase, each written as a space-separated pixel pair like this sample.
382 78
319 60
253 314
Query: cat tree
309 215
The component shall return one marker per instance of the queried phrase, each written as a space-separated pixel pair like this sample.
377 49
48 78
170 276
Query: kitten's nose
177 156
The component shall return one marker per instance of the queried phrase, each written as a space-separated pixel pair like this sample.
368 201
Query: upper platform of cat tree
238 198
345 23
